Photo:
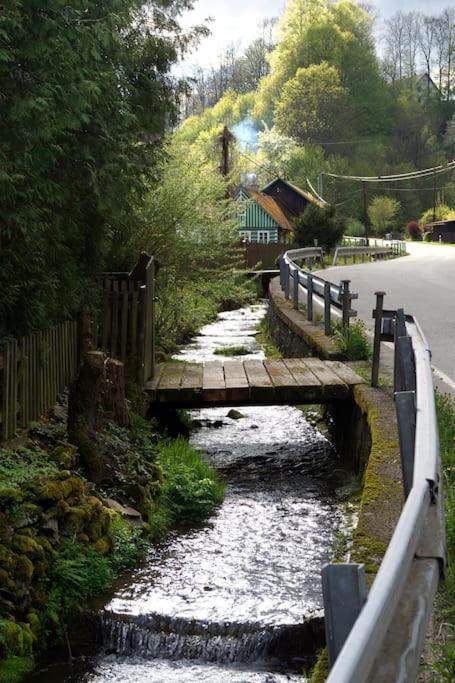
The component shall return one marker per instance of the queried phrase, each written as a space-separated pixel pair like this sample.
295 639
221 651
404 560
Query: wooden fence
266 255
126 326
33 371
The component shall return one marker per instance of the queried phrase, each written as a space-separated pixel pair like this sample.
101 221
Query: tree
85 96
312 104
382 212
321 224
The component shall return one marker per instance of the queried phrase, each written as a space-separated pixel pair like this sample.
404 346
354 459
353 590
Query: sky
236 21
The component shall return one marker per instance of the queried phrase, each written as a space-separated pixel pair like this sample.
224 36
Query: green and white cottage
267 216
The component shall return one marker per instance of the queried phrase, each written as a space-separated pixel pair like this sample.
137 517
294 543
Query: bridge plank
345 373
333 386
169 384
286 387
152 384
301 373
213 384
191 384
237 386
261 387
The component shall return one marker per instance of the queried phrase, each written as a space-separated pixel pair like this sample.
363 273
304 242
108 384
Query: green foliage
85 94
190 489
13 669
322 224
354 228
353 342
264 338
442 213
22 465
445 614
382 212
231 351
128 544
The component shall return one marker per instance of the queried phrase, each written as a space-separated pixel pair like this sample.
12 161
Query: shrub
382 213
323 225
414 230
353 342
441 213
354 228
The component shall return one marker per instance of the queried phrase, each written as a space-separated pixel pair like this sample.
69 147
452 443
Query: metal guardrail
293 277
379 637
361 251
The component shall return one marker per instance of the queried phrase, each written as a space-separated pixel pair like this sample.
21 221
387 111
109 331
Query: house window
246 234
264 236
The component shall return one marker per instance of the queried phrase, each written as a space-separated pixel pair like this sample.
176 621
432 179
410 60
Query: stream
237 598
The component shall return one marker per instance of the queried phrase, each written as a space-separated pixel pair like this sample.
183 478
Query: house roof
271 207
303 193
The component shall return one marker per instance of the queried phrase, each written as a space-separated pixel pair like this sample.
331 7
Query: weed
353 342
231 351
264 339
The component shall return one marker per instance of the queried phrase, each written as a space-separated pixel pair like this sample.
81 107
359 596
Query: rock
134 516
114 505
50 527
235 414
254 427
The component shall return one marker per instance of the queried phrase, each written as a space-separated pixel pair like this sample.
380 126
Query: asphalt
423 283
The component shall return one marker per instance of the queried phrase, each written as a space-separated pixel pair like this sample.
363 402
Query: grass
264 339
353 342
190 487
231 351
443 666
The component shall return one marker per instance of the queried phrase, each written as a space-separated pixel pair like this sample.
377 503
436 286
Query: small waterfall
156 637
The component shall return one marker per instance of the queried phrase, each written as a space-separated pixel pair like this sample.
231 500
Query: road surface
423 283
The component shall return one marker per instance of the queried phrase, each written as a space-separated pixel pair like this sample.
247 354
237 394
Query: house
268 215
442 231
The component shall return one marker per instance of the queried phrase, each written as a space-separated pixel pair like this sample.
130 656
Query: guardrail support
309 302
327 312
405 406
295 297
346 304
344 592
377 338
405 378
287 275
282 266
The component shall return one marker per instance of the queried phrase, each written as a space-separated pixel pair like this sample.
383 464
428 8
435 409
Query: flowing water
237 598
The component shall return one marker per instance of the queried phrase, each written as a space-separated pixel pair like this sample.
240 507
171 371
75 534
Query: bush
354 228
382 213
414 230
190 487
441 213
319 224
353 342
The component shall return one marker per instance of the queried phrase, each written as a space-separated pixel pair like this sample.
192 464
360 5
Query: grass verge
353 342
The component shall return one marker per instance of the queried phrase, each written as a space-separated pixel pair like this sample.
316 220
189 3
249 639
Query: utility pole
434 197
225 139
365 208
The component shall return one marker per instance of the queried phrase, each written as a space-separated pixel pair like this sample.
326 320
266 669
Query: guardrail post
327 310
405 406
405 377
345 303
309 291
344 594
287 275
377 338
295 296
282 272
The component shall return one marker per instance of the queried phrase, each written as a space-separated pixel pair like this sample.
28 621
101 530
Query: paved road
422 283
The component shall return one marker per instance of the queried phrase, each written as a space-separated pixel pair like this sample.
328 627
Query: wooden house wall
291 202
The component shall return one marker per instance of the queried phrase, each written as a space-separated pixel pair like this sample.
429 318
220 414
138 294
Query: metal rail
293 278
361 251
392 620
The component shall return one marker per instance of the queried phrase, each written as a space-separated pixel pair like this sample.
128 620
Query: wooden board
261 387
169 383
332 387
301 373
344 372
191 384
237 386
152 384
213 384
285 385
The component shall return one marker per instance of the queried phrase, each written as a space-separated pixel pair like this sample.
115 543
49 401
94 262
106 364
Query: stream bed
237 598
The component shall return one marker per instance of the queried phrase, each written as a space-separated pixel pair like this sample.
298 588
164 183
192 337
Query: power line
435 170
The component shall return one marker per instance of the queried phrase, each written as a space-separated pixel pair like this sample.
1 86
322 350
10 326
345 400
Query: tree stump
113 398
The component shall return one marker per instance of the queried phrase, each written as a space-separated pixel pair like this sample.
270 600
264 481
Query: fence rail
386 630
33 371
293 278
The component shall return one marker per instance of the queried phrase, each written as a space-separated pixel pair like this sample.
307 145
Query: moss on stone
25 544
321 668
13 669
24 569
103 545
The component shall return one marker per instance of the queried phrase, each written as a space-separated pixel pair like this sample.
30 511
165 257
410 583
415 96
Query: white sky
236 21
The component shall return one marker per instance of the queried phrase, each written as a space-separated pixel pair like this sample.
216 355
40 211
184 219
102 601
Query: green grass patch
231 351
190 487
353 342
264 339
443 667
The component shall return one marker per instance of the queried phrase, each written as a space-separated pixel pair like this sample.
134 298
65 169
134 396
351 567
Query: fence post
344 594
345 303
287 275
327 310
282 272
296 289
149 322
309 290
405 377
377 338
405 407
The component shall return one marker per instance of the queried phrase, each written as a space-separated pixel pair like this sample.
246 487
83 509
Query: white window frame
264 236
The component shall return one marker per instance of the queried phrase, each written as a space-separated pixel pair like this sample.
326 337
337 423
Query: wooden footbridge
254 382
